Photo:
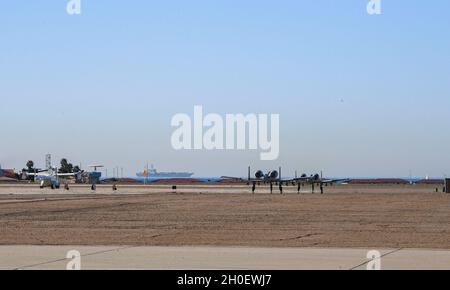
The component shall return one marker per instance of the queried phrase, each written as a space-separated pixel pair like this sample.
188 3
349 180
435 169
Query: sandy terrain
346 216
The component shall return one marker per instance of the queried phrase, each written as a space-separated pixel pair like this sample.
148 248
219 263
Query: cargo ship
152 173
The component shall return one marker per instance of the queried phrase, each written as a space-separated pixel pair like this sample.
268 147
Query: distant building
430 181
8 175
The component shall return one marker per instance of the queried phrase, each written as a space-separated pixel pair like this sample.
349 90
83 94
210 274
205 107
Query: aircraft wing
312 180
286 180
231 177
304 179
59 174
334 180
67 174
38 172
35 174
31 174
242 179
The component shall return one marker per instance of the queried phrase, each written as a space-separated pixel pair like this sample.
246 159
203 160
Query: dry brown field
391 216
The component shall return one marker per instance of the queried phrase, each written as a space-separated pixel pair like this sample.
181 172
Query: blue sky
357 95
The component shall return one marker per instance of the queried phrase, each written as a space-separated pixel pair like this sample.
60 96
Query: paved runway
220 258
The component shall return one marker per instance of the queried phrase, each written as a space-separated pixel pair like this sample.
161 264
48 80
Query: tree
30 169
63 167
30 166
76 169
66 167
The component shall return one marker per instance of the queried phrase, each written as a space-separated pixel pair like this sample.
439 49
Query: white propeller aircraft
50 177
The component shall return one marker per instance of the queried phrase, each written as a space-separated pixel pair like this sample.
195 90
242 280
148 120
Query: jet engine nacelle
259 174
273 174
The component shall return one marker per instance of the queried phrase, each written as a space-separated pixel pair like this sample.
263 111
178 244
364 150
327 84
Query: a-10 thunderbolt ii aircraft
273 177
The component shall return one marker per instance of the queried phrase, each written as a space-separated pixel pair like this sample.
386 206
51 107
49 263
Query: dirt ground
345 216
